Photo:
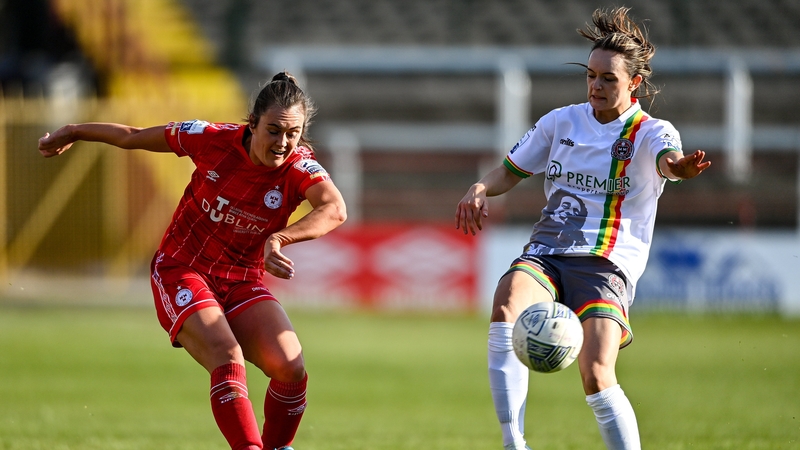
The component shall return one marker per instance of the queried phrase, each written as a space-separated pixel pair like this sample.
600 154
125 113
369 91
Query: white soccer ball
547 337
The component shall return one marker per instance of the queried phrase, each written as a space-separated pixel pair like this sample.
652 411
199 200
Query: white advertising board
689 269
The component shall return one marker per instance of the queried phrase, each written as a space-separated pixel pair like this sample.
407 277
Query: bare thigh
515 292
206 335
269 341
598 357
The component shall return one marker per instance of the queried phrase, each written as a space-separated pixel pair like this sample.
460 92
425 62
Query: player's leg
189 312
597 360
508 377
271 344
208 338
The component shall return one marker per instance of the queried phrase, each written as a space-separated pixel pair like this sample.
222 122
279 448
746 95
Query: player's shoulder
304 163
573 113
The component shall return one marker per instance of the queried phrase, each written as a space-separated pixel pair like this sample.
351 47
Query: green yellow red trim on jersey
515 169
612 208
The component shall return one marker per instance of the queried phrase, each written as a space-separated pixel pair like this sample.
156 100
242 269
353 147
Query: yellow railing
96 209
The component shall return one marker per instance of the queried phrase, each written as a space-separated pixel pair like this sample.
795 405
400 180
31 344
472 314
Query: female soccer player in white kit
606 162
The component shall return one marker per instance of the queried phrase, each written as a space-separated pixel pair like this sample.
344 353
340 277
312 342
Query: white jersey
602 183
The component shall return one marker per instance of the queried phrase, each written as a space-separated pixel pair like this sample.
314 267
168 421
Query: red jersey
231 205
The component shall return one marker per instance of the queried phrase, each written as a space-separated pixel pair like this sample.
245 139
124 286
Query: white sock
508 380
615 418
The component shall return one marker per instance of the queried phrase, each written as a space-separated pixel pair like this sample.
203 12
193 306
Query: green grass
96 378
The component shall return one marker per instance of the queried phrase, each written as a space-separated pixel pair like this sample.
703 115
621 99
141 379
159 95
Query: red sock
232 409
283 409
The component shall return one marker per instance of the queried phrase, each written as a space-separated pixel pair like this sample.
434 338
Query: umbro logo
212 175
567 141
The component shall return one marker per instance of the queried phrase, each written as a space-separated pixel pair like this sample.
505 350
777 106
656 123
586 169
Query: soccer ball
547 337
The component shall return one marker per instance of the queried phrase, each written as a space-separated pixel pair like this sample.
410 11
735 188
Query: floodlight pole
739 120
513 100
346 169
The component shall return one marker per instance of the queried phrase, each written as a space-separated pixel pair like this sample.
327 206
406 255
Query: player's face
609 84
276 135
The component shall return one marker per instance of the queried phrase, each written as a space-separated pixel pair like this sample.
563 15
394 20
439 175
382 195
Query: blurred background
417 99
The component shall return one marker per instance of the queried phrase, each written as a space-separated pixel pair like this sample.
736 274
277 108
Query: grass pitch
106 378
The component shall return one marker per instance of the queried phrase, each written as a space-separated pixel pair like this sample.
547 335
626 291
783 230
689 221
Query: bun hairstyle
614 30
283 91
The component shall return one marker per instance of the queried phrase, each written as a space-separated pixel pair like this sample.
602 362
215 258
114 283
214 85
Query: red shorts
179 291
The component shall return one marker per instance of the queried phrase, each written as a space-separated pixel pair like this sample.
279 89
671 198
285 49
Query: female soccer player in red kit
226 233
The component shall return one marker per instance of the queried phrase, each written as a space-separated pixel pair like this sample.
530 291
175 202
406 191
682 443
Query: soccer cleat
285 448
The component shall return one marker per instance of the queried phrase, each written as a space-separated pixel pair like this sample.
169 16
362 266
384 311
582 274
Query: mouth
278 152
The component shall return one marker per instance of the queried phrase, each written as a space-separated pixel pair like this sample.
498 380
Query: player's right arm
473 207
122 136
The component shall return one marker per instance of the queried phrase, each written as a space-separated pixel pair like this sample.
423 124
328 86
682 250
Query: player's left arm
328 212
675 166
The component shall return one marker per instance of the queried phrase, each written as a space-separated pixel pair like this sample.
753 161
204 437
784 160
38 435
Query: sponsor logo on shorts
183 297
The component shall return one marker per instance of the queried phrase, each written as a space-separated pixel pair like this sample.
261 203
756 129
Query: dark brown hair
614 30
284 92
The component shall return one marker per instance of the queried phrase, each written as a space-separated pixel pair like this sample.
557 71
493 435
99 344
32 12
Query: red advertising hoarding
383 267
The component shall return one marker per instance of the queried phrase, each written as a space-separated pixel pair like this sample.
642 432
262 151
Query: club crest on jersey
273 199
622 149
183 297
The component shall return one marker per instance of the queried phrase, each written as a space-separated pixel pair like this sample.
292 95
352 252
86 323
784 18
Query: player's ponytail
614 30
284 92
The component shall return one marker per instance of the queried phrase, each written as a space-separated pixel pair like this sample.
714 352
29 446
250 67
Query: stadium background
416 100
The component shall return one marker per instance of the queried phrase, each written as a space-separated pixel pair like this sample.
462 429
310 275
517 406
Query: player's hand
472 209
55 144
275 262
689 166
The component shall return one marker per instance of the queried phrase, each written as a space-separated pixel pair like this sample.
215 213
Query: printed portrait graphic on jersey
563 218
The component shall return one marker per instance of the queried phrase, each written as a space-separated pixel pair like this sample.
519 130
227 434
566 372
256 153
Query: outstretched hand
471 211
55 144
689 166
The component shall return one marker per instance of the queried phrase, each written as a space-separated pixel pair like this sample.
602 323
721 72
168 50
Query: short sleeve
530 154
307 171
186 138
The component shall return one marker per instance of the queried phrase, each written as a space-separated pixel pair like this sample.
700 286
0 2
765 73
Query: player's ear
251 121
635 82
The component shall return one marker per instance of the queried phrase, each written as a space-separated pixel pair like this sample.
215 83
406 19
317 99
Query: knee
286 366
598 377
287 370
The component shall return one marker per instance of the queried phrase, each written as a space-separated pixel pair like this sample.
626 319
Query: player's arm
122 136
328 212
473 207
675 166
